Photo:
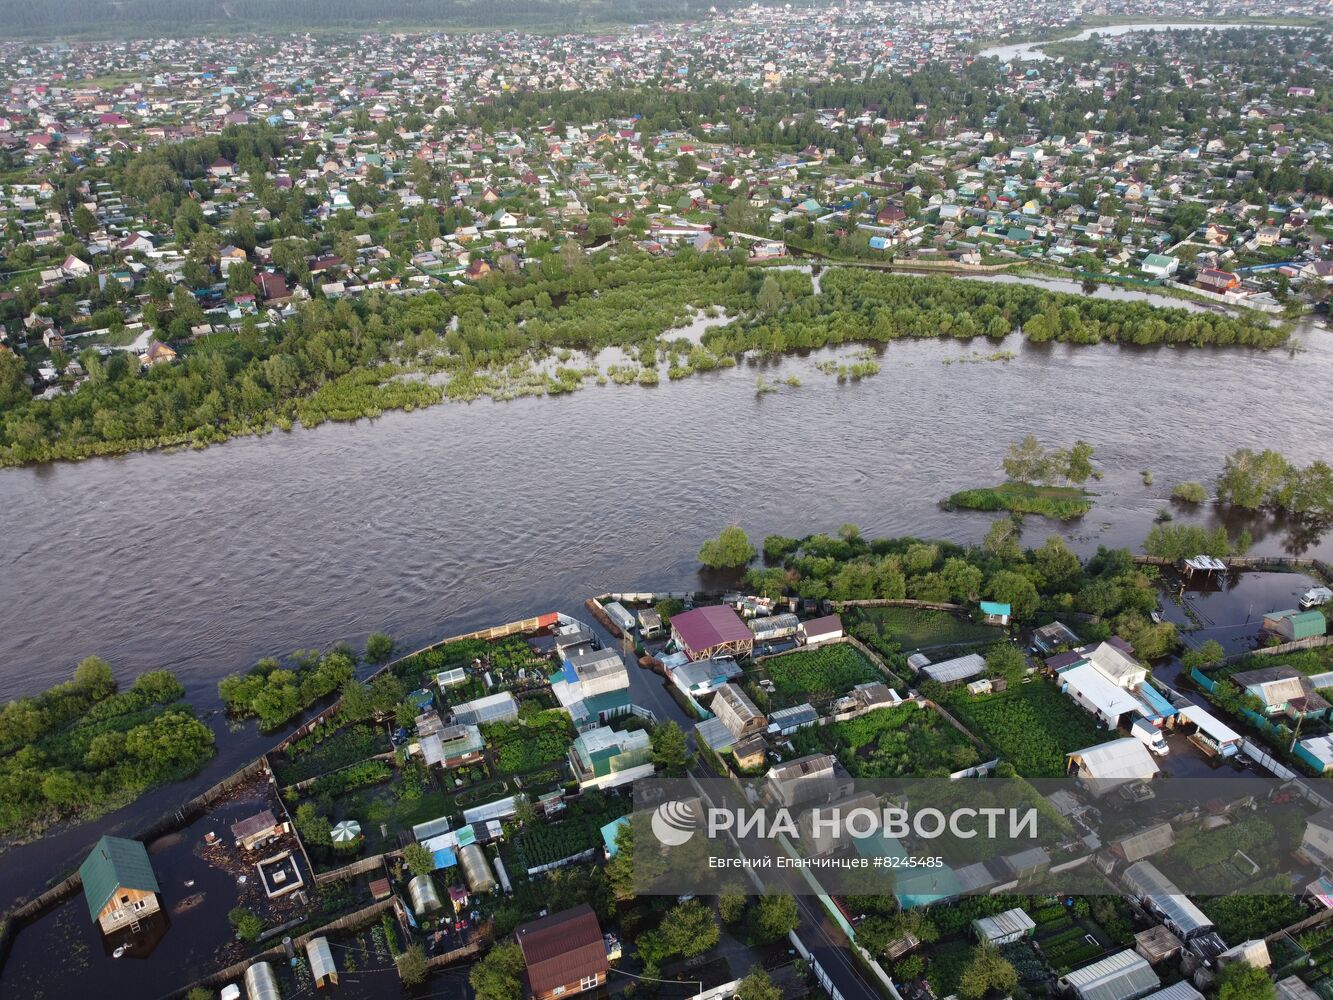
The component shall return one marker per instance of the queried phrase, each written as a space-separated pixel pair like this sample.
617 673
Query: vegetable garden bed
1033 726
312 757
820 674
891 742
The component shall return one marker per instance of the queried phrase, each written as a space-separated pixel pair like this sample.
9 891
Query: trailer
618 614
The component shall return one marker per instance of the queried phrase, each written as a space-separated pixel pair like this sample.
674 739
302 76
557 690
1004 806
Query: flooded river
1033 50
459 516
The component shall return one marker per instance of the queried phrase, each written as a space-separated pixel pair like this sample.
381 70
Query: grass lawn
913 628
1061 503
1031 725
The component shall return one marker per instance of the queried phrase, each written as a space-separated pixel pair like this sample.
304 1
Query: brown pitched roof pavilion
564 948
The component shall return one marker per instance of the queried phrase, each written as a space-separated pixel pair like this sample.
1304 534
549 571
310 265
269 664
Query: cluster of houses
369 123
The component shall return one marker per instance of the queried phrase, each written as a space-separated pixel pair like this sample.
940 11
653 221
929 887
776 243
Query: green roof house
1293 625
118 884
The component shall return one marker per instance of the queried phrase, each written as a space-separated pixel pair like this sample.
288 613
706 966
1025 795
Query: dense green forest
348 359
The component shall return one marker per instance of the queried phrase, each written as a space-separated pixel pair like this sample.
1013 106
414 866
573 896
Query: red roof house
711 631
564 953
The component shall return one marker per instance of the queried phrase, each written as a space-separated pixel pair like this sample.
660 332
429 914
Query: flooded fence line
349 921
20 916
1253 563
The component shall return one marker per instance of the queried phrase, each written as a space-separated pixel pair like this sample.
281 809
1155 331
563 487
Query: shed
824 629
1116 977
1107 766
1002 928
995 612
1157 944
650 622
321 962
1293 625
261 983
257 830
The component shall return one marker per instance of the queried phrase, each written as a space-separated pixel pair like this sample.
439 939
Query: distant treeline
158 17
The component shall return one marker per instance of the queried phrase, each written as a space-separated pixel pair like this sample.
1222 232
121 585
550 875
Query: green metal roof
115 863
1306 624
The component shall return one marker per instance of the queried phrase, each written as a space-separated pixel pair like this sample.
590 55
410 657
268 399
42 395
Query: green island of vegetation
84 748
1061 503
1032 470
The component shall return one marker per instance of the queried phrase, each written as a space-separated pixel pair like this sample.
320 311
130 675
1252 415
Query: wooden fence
885 602
347 922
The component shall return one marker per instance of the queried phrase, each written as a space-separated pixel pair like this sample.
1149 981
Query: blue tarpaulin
444 858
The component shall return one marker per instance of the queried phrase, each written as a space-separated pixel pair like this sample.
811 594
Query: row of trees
1268 479
851 567
1028 461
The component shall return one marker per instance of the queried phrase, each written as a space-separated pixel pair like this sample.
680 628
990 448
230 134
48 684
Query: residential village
464 815
493 804
326 168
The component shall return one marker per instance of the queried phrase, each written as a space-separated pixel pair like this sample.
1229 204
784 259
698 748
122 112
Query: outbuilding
825 629
1107 766
1117 977
715 630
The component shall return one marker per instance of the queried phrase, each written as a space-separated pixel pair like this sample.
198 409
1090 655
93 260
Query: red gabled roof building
711 631
564 952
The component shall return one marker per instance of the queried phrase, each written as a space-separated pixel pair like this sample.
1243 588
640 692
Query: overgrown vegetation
82 748
277 693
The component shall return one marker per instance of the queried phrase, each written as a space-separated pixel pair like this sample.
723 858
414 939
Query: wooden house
119 885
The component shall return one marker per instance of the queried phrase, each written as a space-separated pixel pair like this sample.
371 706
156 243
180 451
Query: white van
1315 596
1150 736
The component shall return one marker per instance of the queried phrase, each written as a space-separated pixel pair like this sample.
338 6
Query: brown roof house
564 952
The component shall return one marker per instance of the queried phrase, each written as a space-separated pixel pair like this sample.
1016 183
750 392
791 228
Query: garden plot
821 674
1033 726
322 752
907 740
917 628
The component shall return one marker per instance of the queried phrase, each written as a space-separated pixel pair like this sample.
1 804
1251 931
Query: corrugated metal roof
562 949
1116 977
1119 760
